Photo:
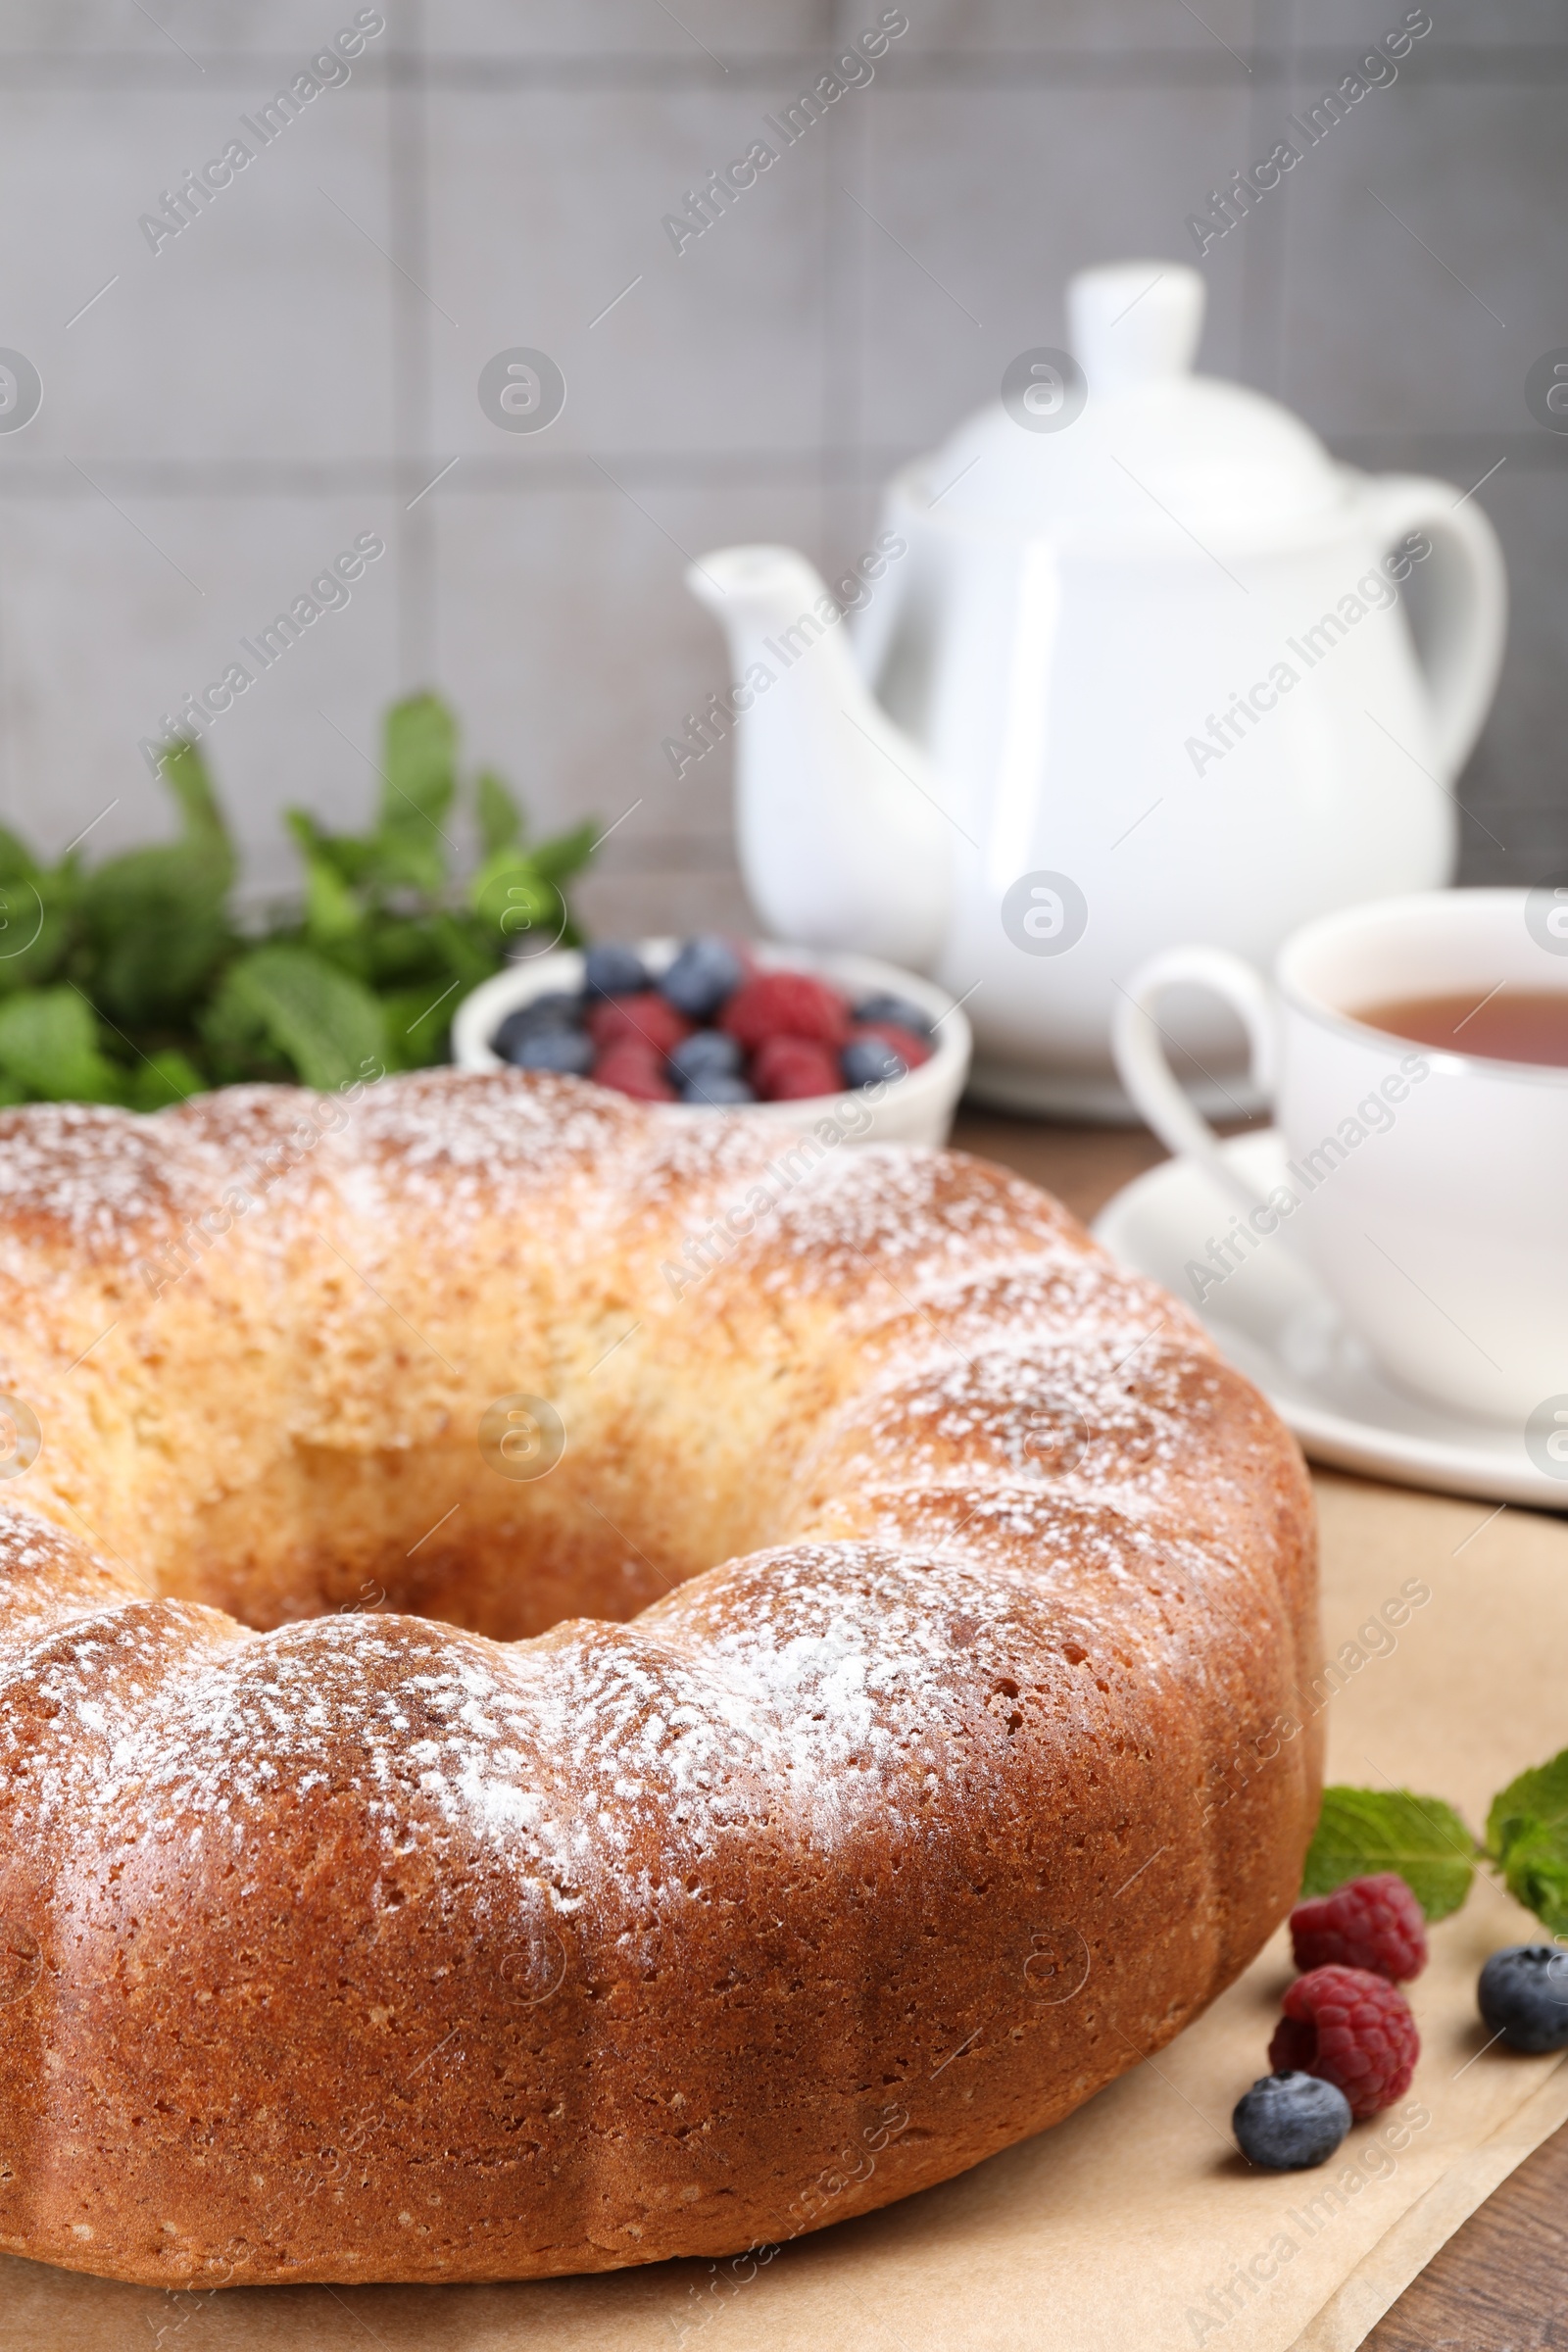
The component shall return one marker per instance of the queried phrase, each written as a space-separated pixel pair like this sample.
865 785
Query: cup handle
1137 1042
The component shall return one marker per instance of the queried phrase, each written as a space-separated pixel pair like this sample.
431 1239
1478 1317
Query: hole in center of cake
434 1536
502 1517
442 1532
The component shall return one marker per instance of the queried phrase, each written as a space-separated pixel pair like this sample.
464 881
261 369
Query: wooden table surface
1501 2283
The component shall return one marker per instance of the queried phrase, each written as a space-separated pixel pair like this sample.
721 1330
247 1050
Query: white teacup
1428 1189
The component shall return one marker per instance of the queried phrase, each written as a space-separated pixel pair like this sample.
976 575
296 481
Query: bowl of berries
712 1023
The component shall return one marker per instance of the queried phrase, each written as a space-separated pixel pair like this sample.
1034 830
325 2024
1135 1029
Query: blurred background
298 365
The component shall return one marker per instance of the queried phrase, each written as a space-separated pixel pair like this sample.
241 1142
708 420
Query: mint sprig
136 982
1362 1831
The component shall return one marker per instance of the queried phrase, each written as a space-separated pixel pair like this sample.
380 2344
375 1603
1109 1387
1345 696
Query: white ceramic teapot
1131 666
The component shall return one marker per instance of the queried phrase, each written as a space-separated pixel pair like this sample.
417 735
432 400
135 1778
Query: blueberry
566 1050
1522 1996
554 1010
1290 2122
612 971
704 973
899 1012
706 1054
867 1059
714 1087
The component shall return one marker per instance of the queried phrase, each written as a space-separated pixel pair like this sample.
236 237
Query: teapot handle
1468 607
873 627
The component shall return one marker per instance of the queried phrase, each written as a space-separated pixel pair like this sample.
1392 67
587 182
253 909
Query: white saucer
1278 1326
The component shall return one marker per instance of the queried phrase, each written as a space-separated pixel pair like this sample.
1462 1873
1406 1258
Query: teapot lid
1124 430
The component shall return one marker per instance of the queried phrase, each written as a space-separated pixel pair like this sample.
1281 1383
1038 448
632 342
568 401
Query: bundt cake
582 1686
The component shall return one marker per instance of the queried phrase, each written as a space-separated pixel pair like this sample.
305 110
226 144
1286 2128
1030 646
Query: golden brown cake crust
413 1872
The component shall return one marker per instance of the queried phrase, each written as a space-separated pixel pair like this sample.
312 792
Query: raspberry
645 1019
787 1004
1350 2028
787 1069
910 1049
633 1068
1371 1923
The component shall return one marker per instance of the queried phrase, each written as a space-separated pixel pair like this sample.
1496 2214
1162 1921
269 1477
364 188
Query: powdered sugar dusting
1017 1439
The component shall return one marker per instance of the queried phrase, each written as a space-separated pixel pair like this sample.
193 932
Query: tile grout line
1149 69
412 333
843 155
176 479
1266 260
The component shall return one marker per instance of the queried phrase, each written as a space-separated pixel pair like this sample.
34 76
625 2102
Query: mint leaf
513 900
353 855
418 782
157 926
17 861
164 1078
157 920
1527 1837
1360 1830
333 914
499 818
36 928
420 763
418 1023
569 852
203 828
404 951
465 950
49 1047
322 1023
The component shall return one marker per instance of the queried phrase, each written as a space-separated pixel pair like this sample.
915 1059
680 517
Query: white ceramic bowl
915 1109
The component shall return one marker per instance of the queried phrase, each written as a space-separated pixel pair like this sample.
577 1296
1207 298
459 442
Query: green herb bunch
136 982
1424 1839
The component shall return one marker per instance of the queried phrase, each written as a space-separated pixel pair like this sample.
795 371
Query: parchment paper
1134 2223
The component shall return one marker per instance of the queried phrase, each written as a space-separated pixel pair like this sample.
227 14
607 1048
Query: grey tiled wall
300 364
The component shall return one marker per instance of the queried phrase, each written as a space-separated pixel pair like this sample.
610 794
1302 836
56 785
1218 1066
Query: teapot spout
839 818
